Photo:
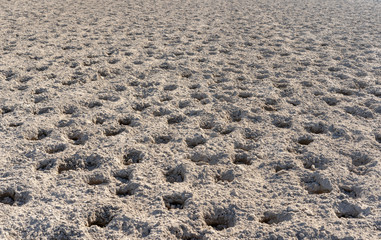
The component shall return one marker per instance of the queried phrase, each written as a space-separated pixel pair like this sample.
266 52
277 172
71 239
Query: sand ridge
190 119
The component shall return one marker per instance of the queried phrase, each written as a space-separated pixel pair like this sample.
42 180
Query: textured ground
190 119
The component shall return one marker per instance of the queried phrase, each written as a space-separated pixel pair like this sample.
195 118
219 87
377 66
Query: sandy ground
190 119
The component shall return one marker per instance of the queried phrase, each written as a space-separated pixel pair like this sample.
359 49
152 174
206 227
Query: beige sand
190 119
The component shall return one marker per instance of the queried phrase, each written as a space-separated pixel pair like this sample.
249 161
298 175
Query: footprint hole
123 176
242 158
163 139
227 176
126 190
8 197
70 164
176 174
127 121
360 159
77 137
305 140
175 119
97 179
219 218
175 201
274 217
316 128
100 217
133 156
195 141
113 131
53 149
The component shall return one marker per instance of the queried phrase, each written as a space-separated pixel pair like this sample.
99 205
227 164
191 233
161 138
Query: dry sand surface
193 119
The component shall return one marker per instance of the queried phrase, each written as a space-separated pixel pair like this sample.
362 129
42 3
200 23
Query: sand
190 119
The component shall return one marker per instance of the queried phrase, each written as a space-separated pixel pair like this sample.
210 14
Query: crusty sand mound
190 119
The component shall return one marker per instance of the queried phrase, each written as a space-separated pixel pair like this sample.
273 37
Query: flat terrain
188 119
